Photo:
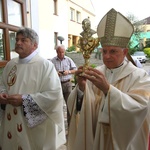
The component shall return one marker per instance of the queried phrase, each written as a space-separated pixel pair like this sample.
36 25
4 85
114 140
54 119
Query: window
14 13
72 11
55 7
12 16
78 16
12 44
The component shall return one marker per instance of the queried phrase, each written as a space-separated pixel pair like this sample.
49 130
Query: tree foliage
136 38
71 48
147 51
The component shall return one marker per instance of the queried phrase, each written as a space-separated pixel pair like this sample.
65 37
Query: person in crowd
98 53
65 68
31 99
109 106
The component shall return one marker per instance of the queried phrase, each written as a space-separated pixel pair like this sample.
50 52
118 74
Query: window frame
78 16
72 14
8 27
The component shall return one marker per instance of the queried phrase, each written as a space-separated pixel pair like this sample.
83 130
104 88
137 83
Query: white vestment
118 121
39 79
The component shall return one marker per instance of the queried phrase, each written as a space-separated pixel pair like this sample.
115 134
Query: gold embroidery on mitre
110 34
12 76
109 38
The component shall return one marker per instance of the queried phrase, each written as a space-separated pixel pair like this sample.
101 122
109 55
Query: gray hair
60 46
29 33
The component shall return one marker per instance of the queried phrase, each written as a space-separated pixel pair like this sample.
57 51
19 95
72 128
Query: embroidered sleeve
33 114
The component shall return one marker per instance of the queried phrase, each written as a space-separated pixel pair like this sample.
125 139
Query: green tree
135 43
147 51
71 48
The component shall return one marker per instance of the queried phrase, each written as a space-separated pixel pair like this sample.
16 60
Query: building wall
86 10
44 20
147 28
75 27
41 18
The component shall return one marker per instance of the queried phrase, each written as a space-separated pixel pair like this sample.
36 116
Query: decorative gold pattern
12 76
87 43
109 38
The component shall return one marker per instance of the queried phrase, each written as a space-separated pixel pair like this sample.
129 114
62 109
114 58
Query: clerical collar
120 64
116 67
28 58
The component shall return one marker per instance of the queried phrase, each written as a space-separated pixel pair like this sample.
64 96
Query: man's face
24 47
113 56
60 53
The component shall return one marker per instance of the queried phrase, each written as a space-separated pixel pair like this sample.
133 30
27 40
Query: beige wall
42 19
147 28
86 9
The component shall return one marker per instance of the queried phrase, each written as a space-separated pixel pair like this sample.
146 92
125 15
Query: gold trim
11 79
87 43
109 39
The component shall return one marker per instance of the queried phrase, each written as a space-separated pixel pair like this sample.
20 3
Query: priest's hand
3 98
15 100
81 80
97 78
